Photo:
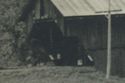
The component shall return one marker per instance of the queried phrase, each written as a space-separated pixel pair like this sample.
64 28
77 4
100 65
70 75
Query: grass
51 74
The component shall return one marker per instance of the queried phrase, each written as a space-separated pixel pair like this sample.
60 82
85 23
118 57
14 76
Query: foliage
15 50
10 11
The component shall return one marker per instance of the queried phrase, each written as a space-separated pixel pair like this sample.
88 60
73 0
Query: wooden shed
87 19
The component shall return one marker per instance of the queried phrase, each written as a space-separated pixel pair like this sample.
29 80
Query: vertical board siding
100 61
92 33
122 63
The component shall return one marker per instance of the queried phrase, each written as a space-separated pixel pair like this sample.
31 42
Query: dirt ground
54 74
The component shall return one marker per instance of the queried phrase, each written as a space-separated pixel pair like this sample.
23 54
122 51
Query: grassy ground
51 74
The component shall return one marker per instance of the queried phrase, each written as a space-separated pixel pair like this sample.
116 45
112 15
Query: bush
13 33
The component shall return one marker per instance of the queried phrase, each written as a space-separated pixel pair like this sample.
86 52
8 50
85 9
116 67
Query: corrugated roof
88 7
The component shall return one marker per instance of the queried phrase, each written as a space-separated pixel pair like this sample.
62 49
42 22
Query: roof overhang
69 8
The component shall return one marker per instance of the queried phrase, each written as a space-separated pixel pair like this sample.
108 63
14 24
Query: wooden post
108 71
109 38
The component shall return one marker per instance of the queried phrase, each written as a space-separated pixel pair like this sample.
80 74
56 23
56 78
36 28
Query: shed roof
88 7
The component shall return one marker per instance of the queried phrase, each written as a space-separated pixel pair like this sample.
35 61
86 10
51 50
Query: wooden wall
92 32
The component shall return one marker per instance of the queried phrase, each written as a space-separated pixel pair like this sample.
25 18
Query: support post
108 69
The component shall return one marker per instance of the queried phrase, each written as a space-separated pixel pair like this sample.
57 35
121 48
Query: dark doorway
47 35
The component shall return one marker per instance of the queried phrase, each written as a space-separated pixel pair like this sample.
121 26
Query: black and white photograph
62 41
